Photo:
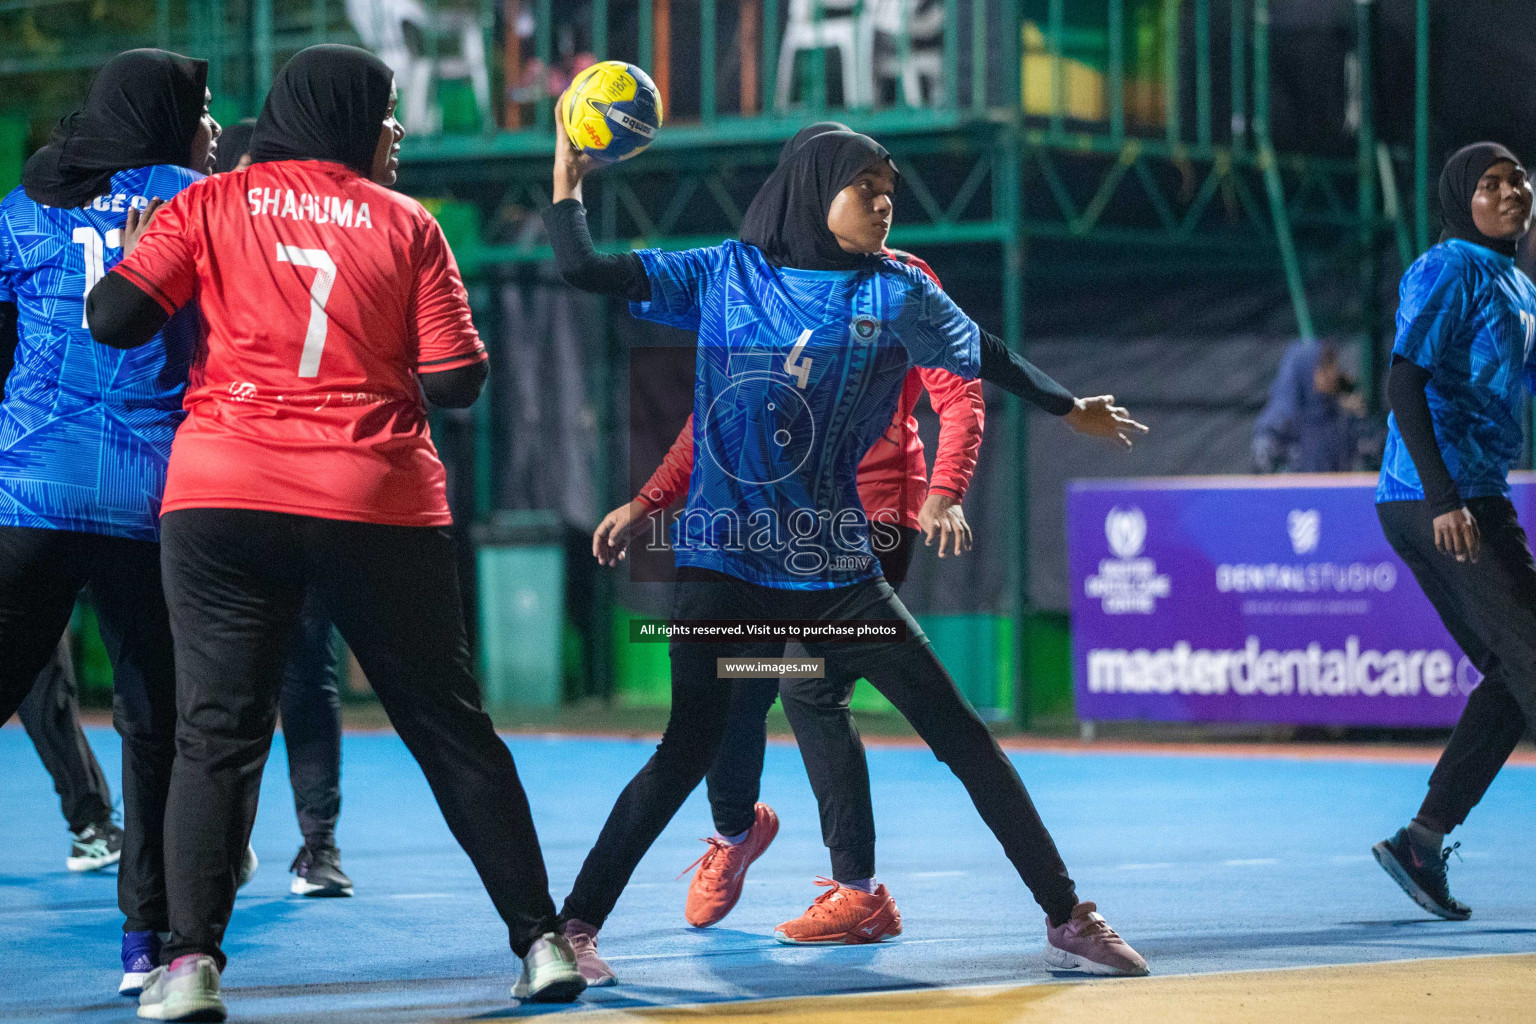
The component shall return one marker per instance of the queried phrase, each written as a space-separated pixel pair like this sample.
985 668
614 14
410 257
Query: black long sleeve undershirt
623 276
581 266
457 388
121 314
1013 373
1410 406
10 337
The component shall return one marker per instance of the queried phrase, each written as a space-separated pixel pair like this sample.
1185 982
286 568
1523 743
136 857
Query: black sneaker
317 872
95 847
1423 877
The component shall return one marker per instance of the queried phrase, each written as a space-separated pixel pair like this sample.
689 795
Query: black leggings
311 714
41 574
235 582
818 712
906 672
51 716
1489 608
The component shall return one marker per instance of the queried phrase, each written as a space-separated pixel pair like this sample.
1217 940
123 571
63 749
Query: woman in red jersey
331 304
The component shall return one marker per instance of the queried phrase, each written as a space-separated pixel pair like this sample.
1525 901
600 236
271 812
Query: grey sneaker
186 990
1422 874
550 974
95 847
584 941
247 867
1087 943
317 872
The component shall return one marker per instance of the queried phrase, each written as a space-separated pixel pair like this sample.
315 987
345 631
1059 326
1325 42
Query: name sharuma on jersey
283 202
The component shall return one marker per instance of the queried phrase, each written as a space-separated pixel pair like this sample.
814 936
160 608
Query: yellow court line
1499 989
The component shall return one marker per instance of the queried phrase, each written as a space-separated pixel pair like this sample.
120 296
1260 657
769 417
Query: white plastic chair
394 29
923 63
841 27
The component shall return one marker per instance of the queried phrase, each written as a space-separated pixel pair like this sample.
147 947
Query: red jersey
893 475
323 294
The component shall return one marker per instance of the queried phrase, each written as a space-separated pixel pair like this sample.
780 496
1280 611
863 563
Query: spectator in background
1311 423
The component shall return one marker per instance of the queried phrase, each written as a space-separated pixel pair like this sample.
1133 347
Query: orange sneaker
843 917
716 886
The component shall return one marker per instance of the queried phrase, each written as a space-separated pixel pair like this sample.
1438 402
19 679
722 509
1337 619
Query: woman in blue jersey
85 432
805 333
1466 324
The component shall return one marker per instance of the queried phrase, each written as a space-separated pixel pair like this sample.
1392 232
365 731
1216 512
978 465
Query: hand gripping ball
611 111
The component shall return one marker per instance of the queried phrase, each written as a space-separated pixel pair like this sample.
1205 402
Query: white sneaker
549 972
247 867
188 992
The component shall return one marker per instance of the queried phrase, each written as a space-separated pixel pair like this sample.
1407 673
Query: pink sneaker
716 886
1087 943
583 938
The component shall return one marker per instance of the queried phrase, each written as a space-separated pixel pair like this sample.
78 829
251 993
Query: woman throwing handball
1466 325
806 333
331 305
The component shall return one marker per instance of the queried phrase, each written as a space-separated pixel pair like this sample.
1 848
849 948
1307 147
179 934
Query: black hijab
1457 184
234 143
806 134
143 109
788 216
328 103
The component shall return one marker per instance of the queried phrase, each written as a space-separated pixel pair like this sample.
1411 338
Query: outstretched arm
1096 417
1013 373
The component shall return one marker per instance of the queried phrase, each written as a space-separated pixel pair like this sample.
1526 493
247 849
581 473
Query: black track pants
235 582
906 672
1489 608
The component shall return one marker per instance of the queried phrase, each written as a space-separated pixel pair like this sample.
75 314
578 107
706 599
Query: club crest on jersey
864 328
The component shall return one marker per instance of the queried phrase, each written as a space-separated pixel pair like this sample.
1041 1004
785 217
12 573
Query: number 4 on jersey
319 292
796 366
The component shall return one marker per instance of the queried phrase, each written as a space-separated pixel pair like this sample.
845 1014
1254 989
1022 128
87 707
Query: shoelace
1096 925
1445 854
709 857
818 907
1093 924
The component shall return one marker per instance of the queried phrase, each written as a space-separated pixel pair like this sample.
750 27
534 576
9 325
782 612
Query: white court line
420 896
932 874
1252 862
1158 866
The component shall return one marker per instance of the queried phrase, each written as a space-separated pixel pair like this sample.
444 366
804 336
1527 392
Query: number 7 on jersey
319 293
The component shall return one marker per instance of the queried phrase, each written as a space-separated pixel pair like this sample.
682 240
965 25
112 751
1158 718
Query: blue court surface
1205 863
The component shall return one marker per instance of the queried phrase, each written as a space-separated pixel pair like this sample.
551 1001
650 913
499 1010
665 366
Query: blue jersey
85 430
1467 316
798 373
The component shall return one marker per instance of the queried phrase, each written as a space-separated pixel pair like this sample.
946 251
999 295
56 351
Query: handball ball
611 111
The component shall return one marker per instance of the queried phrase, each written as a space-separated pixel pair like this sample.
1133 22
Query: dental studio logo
1305 530
1128 583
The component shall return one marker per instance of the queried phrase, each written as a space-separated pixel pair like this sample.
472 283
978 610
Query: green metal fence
1018 104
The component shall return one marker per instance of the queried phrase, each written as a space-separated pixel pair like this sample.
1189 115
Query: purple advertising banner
1254 599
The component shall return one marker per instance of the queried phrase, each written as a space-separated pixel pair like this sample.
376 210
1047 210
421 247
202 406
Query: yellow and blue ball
611 111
